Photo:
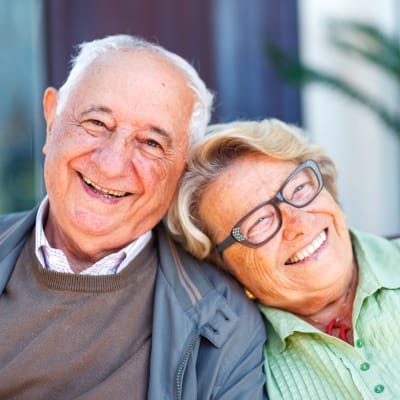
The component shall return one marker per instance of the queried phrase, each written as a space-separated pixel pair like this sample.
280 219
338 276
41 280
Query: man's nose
114 157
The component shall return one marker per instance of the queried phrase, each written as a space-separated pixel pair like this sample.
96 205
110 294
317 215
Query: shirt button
359 343
379 388
364 366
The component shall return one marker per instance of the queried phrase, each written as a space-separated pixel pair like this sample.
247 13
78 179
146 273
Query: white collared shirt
55 259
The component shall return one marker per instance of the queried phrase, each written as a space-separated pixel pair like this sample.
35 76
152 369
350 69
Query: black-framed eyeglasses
263 222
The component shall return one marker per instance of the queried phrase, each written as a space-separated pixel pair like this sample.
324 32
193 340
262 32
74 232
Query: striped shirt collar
55 260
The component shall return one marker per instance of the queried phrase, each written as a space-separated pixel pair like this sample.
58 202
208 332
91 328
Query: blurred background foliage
225 40
354 39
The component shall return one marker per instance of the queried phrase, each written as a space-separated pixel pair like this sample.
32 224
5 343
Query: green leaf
362 40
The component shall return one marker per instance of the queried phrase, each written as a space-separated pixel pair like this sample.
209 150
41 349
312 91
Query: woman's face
316 235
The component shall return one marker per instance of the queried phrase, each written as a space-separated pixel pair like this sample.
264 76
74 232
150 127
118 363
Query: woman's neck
336 317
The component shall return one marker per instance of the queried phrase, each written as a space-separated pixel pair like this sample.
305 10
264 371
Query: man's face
115 152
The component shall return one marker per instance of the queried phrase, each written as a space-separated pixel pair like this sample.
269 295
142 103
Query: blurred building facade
225 40
366 152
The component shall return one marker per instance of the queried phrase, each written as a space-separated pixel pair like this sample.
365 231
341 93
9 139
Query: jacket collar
194 290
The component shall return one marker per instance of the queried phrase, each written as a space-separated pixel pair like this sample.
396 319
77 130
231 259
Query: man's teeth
105 192
309 250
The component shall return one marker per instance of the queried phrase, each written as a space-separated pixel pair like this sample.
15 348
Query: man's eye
95 127
152 143
97 122
151 148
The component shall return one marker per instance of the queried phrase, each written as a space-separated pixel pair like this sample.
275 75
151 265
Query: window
21 122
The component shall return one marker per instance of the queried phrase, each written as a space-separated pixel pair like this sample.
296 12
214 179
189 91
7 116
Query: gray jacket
207 337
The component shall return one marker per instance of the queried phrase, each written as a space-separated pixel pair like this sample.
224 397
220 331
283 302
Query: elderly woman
260 201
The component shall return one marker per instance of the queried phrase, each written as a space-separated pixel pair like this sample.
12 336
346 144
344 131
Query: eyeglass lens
264 221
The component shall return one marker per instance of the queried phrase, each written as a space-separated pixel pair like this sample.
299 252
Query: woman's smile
308 251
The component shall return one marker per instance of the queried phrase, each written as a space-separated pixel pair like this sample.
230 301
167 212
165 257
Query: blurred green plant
366 42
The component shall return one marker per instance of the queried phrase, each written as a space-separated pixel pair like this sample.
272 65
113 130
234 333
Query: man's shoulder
14 226
7 220
200 279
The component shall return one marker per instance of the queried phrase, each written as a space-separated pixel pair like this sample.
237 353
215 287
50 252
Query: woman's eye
298 188
259 227
301 191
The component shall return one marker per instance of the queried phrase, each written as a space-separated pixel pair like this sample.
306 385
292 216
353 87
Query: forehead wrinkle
95 108
224 186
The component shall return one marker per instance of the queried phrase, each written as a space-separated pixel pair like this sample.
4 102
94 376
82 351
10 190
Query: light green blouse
303 363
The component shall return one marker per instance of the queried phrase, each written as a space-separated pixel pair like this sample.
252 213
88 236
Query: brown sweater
65 336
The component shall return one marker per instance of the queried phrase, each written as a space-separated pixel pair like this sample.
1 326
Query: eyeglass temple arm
225 244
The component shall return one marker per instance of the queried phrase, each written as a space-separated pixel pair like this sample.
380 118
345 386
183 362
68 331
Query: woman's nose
295 221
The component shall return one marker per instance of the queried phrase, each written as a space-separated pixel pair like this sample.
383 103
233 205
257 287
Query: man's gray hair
89 51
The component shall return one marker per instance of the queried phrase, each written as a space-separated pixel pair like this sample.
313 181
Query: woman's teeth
309 250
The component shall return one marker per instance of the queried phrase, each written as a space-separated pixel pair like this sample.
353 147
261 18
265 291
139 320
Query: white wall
366 152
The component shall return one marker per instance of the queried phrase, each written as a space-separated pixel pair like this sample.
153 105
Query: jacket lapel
15 229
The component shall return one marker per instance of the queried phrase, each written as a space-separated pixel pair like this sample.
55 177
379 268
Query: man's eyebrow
164 133
91 109
161 131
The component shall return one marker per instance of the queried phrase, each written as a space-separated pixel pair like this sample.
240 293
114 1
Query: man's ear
49 108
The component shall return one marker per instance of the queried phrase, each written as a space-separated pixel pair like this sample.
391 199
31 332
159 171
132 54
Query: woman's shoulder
377 254
373 241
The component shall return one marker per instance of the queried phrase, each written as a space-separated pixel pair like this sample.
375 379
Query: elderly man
97 301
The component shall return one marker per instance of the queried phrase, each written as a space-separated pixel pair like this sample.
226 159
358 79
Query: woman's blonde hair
210 157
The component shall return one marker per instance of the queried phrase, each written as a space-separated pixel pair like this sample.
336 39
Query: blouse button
359 343
379 388
364 366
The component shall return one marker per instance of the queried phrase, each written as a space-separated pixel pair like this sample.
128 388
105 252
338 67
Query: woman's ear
50 99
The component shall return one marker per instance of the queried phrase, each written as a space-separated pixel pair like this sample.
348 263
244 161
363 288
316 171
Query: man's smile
108 193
